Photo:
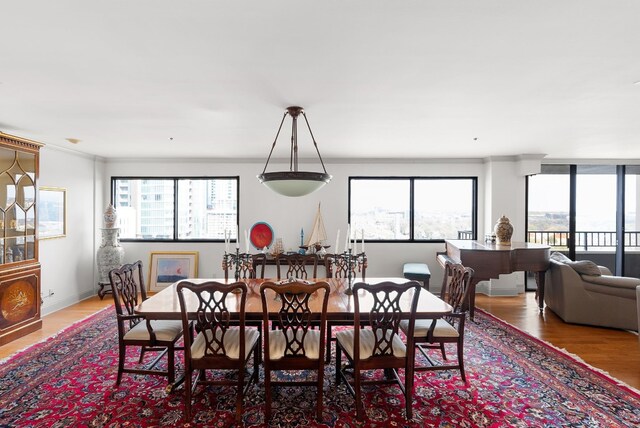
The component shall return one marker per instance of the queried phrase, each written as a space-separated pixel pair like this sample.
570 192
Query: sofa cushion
585 267
625 282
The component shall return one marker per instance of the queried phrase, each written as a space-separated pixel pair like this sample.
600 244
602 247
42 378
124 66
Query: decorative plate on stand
261 235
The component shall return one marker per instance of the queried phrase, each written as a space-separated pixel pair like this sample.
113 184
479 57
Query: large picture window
175 209
413 208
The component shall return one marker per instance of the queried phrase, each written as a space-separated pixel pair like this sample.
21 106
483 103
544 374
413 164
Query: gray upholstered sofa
583 293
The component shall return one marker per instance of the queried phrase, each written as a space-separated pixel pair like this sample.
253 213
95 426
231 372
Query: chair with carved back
336 266
259 264
299 266
294 307
434 334
128 290
376 344
221 343
248 266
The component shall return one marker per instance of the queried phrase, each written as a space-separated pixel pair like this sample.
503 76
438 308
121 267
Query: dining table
165 304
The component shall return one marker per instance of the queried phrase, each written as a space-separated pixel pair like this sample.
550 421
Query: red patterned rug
514 380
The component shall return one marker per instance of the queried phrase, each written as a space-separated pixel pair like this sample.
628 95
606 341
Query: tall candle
362 235
346 238
355 241
335 249
226 240
246 241
237 236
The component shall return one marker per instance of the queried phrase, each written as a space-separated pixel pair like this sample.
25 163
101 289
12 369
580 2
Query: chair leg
338 363
328 351
259 346
444 354
142 351
187 394
121 357
240 395
267 394
171 364
461 361
320 391
257 359
358 394
408 389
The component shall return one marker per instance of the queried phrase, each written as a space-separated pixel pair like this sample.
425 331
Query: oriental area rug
513 379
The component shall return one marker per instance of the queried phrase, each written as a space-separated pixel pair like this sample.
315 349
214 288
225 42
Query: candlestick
237 275
348 291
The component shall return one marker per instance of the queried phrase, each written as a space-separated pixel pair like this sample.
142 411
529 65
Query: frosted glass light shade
294 183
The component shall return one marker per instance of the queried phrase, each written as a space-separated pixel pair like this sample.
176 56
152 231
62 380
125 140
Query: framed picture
52 212
169 267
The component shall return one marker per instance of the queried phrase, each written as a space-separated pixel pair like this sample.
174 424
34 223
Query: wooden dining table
165 305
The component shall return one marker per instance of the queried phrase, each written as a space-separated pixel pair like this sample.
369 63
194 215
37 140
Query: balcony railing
584 240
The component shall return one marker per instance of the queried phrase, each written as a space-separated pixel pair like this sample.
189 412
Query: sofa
582 292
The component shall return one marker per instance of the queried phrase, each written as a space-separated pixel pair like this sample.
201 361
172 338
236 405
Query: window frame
175 180
412 179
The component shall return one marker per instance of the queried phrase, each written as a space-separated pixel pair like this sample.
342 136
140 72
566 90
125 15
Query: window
175 209
589 212
413 208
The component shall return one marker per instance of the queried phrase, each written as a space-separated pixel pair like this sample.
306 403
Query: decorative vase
110 254
110 216
503 231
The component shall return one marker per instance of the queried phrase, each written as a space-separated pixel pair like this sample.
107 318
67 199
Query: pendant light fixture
294 182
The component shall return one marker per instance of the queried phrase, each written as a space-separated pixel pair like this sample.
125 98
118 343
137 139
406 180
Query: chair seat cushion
165 330
231 342
278 343
442 328
367 343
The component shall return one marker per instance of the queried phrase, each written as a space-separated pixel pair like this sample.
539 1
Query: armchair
584 293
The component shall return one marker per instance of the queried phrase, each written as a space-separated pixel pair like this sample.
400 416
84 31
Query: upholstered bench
418 272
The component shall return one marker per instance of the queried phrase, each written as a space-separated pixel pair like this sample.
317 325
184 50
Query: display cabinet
20 301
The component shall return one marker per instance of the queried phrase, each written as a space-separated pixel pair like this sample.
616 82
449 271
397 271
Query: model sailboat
318 234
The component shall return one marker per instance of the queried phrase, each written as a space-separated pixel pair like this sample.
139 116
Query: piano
489 260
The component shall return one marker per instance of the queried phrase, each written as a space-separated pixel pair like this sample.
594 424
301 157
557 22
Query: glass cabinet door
17 206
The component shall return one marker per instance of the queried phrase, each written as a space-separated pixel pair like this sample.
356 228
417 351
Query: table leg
472 297
540 288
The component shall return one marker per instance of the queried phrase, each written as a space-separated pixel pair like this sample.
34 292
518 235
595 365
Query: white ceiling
378 79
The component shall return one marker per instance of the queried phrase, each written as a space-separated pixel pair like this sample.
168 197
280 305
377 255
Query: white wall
288 215
68 263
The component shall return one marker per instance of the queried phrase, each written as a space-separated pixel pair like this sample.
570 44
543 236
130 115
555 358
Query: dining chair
220 343
247 266
294 307
297 266
336 266
128 290
376 344
259 264
434 334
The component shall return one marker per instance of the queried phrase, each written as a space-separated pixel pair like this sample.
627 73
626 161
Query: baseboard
72 300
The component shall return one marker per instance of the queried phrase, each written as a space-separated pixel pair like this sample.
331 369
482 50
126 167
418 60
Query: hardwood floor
616 352
53 323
